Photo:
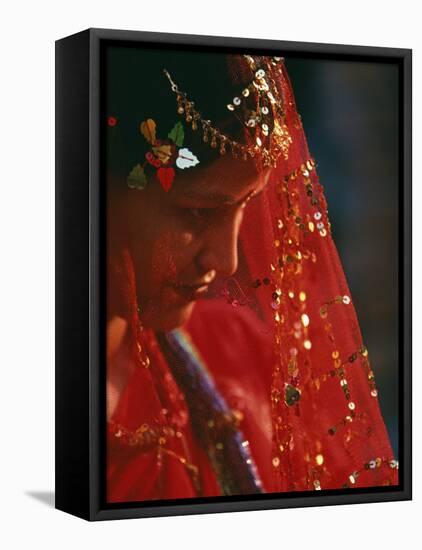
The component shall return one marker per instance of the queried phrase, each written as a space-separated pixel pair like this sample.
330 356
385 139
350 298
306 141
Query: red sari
177 467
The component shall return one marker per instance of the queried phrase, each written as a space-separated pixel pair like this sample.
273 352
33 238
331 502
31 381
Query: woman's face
182 239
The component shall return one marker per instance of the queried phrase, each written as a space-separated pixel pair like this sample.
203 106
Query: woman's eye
201 213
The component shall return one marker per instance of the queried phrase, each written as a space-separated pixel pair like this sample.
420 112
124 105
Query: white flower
186 159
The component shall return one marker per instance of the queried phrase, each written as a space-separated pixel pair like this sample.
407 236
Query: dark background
350 113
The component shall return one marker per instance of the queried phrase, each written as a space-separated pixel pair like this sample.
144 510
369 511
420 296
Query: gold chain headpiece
265 118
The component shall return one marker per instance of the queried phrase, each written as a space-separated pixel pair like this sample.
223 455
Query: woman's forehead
226 180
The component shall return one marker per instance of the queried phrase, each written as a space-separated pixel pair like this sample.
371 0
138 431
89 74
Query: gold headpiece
265 119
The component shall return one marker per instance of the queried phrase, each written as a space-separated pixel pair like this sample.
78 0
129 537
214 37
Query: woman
235 363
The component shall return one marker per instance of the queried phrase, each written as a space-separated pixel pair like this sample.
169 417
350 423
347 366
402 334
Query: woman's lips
189 293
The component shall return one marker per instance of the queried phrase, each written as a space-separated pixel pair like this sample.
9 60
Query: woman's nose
219 251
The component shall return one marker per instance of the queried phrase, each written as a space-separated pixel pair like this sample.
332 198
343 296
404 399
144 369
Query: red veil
282 363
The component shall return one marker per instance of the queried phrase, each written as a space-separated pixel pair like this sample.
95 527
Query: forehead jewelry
259 108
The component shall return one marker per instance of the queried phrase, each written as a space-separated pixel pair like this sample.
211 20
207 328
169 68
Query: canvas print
238 360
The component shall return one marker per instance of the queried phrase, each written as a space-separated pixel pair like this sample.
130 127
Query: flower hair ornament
163 155
259 108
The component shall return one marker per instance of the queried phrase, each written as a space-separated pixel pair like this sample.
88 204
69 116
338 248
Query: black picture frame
80 279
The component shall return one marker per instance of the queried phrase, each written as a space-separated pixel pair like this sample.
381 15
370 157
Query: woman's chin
168 319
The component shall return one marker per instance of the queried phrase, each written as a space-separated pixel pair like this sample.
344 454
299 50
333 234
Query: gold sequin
307 344
302 296
305 320
319 459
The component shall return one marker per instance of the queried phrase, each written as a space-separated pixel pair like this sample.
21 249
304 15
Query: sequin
260 73
319 459
265 127
265 110
317 215
245 92
291 294
320 225
323 232
335 354
259 141
311 227
374 393
237 101
302 296
276 461
251 123
372 465
393 464
346 300
305 320
307 344
351 406
230 107
291 395
317 485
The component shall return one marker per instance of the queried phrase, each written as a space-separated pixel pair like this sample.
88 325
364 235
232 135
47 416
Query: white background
27 36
